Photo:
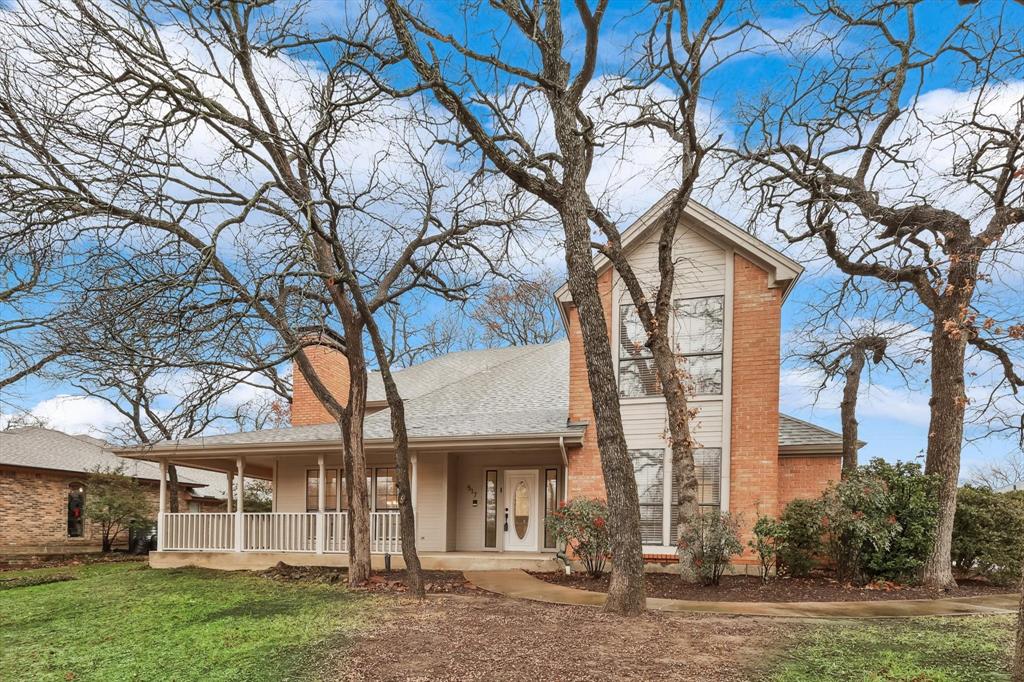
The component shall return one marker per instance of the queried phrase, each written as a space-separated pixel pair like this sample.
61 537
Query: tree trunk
684 473
355 457
1018 656
626 588
172 488
848 409
945 438
400 436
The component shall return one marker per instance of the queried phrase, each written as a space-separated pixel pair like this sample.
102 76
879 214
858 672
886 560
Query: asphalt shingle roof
520 390
793 431
43 448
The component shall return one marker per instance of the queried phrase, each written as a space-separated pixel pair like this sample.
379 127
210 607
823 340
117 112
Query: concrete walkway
521 585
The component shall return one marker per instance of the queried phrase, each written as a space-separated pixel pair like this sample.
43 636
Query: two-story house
498 437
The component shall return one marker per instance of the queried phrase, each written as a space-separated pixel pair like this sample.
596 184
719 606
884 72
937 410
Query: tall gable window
699 340
637 377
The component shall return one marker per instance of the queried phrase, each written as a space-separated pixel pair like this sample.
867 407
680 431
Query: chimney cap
313 335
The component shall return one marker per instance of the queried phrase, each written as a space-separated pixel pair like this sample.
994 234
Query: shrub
856 522
117 503
800 541
911 506
768 534
709 545
988 533
581 526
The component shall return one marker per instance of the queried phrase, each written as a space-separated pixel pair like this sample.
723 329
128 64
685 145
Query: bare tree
836 341
1005 474
235 135
519 312
498 101
166 366
837 155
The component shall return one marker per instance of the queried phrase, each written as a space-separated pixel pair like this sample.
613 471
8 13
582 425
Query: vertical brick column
585 476
754 461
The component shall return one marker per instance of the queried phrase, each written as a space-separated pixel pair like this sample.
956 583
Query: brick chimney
325 350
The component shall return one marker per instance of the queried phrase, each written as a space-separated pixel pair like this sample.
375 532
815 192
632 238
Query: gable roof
516 392
797 435
41 448
782 270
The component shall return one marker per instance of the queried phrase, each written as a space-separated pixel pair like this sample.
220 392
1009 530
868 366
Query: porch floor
434 561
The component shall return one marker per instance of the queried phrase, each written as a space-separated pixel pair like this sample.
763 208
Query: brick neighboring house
498 437
44 496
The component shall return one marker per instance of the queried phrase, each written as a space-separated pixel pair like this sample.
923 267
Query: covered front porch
478 506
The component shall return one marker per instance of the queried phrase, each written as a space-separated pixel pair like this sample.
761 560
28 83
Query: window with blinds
637 376
699 341
707 464
649 469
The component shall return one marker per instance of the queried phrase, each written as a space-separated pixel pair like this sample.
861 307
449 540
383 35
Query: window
699 335
313 492
385 491
194 507
550 503
76 510
649 469
637 377
707 464
491 509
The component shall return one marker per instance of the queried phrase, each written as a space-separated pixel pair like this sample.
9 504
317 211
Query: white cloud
74 414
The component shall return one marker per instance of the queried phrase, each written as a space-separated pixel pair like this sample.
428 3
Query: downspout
561 555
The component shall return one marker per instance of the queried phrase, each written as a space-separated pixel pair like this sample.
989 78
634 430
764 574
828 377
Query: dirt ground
749 588
21 562
493 638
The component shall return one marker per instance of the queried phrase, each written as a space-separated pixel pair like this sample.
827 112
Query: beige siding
451 503
430 502
470 471
700 265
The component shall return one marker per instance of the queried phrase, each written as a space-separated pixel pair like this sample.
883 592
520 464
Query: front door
522 524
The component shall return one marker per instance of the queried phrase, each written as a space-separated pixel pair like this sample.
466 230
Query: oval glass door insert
522 509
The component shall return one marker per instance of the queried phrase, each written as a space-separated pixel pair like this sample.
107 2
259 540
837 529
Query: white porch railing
189 531
275 532
335 532
279 532
385 533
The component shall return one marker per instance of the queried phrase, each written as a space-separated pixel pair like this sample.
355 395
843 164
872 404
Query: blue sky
894 417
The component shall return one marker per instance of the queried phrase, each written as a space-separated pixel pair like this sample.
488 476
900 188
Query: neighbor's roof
42 448
795 432
517 391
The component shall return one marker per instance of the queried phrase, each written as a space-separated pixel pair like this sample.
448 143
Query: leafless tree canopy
922 195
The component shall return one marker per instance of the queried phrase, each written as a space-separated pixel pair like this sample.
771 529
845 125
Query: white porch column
231 491
162 506
321 504
273 488
412 493
239 521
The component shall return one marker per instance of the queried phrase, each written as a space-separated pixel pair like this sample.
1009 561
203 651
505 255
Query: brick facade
754 442
332 368
806 477
33 511
585 476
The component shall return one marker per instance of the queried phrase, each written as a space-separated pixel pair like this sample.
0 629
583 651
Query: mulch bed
17 562
435 582
741 588
489 638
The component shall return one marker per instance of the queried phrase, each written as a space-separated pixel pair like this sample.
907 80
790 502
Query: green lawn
129 622
933 649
